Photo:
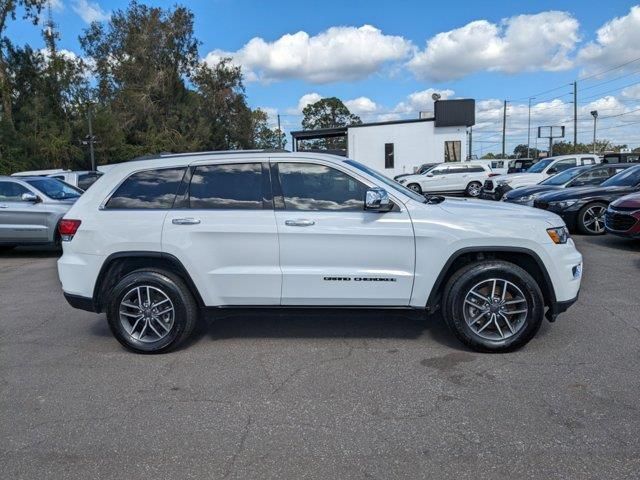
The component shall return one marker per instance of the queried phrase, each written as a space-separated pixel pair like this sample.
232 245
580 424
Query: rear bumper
79 302
496 194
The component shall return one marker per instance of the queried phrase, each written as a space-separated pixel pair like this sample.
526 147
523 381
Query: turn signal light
67 229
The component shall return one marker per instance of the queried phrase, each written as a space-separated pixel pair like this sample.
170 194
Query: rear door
332 251
223 229
21 221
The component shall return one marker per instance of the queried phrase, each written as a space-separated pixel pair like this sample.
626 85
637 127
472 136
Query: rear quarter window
149 189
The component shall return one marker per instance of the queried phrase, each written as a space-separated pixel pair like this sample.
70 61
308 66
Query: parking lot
320 395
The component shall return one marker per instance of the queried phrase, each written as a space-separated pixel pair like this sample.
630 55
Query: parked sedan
574 177
455 177
623 216
583 209
30 209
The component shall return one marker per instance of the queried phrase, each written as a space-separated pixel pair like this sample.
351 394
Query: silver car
30 209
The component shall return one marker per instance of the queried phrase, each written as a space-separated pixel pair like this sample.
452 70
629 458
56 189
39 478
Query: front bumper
556 308
496 194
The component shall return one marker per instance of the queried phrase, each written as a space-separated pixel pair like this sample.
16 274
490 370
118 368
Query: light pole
529 128
594 114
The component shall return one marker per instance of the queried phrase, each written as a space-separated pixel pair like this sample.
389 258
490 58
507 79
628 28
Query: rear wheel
493 306
473 189
415 187
151 311
591 218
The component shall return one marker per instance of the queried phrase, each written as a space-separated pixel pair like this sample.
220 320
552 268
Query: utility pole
594 113
279 134
91 140
470 142
504 128
575 116
529 129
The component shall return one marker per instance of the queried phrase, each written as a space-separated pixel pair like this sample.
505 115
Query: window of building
235 186
388 155
307 186
452 151
150 189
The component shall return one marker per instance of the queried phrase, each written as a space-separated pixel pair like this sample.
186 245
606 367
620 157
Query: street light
594 114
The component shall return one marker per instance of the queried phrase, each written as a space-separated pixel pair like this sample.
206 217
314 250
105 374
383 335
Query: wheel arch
119 264
523 257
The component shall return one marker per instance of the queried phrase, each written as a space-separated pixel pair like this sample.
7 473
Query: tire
585 215
459 314
473 189
415 187
153 333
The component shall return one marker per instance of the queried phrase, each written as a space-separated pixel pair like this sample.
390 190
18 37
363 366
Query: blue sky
386 58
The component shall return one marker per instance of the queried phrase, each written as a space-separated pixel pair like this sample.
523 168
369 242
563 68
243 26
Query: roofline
343 130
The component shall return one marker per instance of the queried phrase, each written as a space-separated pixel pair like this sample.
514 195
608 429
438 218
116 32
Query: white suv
459 177
156 242
496 187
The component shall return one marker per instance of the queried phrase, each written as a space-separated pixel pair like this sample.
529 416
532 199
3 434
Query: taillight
68 228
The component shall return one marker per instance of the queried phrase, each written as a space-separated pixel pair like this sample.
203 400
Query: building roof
340 131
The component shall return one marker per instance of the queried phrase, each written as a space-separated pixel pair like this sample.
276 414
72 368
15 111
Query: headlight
527 198
559 235
561 205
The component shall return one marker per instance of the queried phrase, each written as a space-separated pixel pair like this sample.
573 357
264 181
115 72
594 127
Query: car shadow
612 241
32 252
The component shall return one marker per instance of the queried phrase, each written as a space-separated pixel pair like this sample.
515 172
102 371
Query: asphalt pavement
327 395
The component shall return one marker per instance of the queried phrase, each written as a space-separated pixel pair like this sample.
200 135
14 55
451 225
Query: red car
623 216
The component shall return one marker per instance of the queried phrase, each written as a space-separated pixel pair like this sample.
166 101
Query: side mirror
429 174
552 171
377 199
30 197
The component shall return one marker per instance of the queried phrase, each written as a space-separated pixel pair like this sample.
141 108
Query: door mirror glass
29 197
377 199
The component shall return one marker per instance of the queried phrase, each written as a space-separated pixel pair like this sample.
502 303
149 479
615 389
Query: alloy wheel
474 189
415 188
593 219
495 309
146 313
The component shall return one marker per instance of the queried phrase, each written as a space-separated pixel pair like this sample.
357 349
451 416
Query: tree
31 9
265 136
521 151
328 113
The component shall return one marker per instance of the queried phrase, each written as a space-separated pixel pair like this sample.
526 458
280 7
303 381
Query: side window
150 189
475 169
12 192
593 177
388 155
441 170
307 186
457 169
235 186
588 161
85 180
565 164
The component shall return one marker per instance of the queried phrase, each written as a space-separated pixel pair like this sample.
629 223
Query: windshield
540 166
564 177
627 178
387 181
54 188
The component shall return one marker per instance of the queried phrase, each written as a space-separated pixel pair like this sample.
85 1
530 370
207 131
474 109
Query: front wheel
591 218
415 187
151 311
473 189
493 306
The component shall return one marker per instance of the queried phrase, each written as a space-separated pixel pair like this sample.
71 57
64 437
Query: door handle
299 223
185 221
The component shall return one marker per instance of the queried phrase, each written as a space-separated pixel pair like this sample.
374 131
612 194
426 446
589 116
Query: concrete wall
414 144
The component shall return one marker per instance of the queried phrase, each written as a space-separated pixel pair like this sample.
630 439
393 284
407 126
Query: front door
21 221
332 251
223 229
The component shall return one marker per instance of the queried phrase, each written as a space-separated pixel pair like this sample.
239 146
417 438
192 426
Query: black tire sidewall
419 190
581 227
483 271
171 289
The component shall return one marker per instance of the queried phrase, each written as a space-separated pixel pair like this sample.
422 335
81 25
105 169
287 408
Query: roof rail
212 152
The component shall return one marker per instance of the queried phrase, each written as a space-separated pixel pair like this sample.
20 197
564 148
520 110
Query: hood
585 192
472 208
532 190
524 177
628 201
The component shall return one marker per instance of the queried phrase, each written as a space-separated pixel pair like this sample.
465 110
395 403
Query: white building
401 146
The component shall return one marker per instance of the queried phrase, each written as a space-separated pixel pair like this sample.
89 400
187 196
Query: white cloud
421 101
616 43
632 92
542 41
56 5
337 54
90 11
361 106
